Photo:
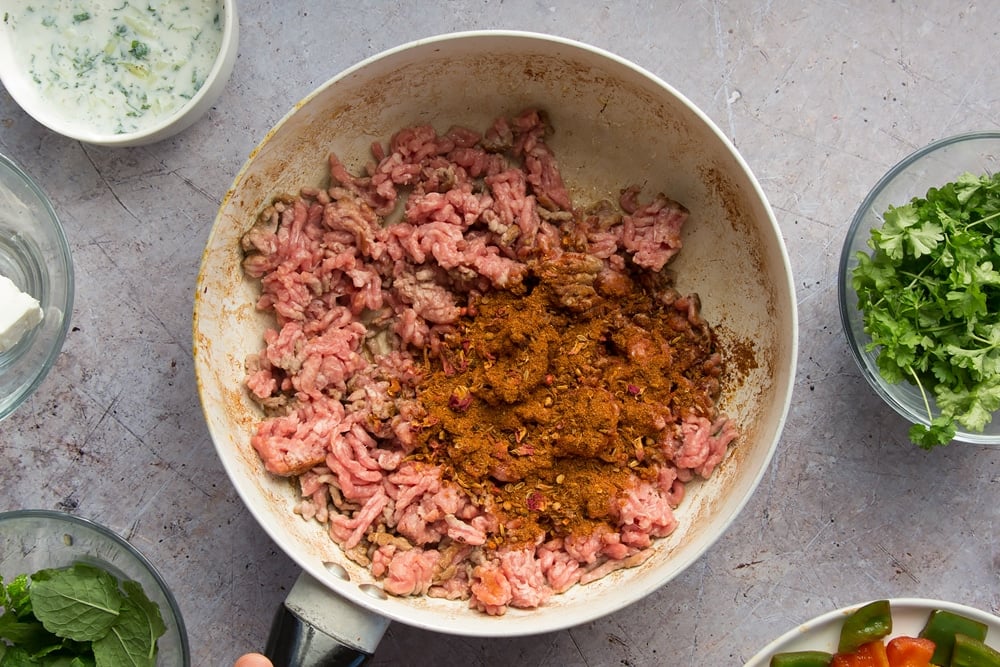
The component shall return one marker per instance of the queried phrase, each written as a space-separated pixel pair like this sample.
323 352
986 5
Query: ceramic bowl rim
179 120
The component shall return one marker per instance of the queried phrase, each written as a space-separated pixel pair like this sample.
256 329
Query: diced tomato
909 652
871 654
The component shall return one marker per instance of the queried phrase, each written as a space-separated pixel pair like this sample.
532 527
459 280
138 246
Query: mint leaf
131 641
23 632
80 602
77 601
15 656
18 624
152 620
69 661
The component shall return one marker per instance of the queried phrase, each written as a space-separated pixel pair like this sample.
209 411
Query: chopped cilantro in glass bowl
919 290
88 588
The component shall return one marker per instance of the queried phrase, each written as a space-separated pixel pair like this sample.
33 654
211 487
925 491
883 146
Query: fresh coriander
930 296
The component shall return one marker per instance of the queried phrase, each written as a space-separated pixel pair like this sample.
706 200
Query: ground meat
495 397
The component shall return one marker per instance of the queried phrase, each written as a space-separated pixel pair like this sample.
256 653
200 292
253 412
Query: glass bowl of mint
919 290
75 593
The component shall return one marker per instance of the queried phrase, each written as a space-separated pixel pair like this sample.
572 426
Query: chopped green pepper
801 659
970 652
866 624
941 628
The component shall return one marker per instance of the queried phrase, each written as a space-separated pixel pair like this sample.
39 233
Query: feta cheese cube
19 314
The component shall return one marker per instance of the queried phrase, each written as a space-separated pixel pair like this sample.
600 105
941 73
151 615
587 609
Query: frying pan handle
315 627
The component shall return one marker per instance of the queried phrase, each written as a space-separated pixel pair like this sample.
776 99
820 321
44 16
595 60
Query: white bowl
614 124
909 615
17 78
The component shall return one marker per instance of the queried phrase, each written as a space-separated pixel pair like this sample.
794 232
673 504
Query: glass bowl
21 26
34 255
933 165
31 540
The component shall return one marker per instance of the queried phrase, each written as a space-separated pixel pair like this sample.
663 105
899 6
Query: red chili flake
536 501
429 421
460 399
640 451
635 390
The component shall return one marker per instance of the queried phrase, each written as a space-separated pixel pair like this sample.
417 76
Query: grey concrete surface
819 97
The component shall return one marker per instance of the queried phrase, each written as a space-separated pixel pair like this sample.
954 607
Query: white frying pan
615 124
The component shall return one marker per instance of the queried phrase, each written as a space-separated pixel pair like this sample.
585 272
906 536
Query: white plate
908 618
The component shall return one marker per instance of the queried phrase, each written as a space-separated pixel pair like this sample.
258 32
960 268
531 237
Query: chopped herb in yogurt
117 66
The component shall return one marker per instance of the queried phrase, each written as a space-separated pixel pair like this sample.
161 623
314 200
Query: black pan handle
315 627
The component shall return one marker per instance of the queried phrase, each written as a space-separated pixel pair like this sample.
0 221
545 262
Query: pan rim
540 622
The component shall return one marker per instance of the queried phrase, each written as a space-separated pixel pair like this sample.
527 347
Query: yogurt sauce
116 66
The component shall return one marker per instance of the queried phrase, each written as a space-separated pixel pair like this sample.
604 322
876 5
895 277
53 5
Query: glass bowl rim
90 524
877 383
66 256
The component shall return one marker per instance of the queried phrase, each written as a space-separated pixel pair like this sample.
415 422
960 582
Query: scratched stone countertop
819 97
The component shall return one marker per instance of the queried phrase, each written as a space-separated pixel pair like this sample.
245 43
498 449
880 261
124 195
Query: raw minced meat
498 396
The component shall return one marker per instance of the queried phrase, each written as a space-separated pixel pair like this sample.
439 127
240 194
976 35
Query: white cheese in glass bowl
36 288
19 314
